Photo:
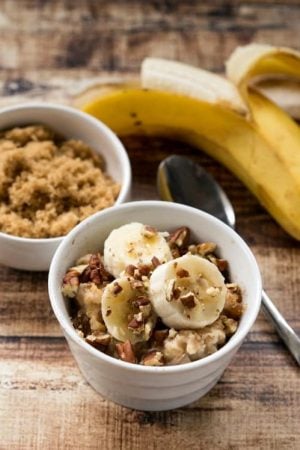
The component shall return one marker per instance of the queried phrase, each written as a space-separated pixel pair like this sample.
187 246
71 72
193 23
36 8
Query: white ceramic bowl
36 254
154 388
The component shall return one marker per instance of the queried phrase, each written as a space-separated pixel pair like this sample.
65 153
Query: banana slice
134 244
188 292
127 311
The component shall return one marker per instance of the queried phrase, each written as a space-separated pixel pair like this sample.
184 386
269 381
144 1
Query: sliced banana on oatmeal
127 311
187 292
134 244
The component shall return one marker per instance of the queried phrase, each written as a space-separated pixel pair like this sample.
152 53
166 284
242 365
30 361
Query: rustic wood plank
54 405
49 51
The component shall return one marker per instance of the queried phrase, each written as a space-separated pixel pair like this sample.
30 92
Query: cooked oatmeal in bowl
153 298
156 335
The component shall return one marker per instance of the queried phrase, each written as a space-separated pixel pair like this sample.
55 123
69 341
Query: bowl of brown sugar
58 166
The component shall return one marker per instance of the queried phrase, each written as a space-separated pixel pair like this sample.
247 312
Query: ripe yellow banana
236 125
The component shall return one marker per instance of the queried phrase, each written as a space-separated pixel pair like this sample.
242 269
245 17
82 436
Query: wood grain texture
50 50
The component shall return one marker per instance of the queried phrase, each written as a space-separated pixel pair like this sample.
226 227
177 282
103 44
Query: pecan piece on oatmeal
82 323
99 341
95 271
160 336
153 358
233 307
71 283
206 248
125 352
180 237
136 323
222 264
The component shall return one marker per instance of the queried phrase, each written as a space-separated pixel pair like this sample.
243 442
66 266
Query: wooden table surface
49 50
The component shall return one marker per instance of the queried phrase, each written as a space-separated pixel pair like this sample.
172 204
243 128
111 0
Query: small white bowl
36 254
137 386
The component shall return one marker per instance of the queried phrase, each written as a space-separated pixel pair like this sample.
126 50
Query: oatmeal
49 184
153 298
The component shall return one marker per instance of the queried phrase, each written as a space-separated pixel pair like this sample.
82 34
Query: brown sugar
48 184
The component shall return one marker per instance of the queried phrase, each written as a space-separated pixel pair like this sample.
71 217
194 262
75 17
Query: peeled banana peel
230 119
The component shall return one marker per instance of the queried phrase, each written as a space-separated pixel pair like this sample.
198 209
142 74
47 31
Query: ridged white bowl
154 388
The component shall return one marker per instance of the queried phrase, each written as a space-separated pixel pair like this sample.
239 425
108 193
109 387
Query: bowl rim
70 331
117 144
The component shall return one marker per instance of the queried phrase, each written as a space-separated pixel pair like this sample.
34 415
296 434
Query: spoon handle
287 334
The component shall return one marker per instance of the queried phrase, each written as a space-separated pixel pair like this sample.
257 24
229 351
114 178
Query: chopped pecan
188 300
99 341
141 300
136 324
130 270
153 358
160 336
182 273
233 307
117 288
180 237
155 262
137 284
175 252
173 292
145 269
125 352
206 248
222 264
70 283
82 323
95 271
149 232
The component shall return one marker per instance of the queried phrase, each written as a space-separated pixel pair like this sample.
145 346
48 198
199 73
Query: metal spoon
180 180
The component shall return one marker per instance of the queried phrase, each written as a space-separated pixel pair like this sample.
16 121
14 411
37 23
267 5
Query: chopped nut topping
141 300
70 283
160 336
95 271
233 307
117 288
175 252
135 324
221 264
155 262
206 248
99 341
153 358
212 291
182 273
137 284
188 300
130 269
125 352
180 237
149 232
144 269
82 323
170 290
